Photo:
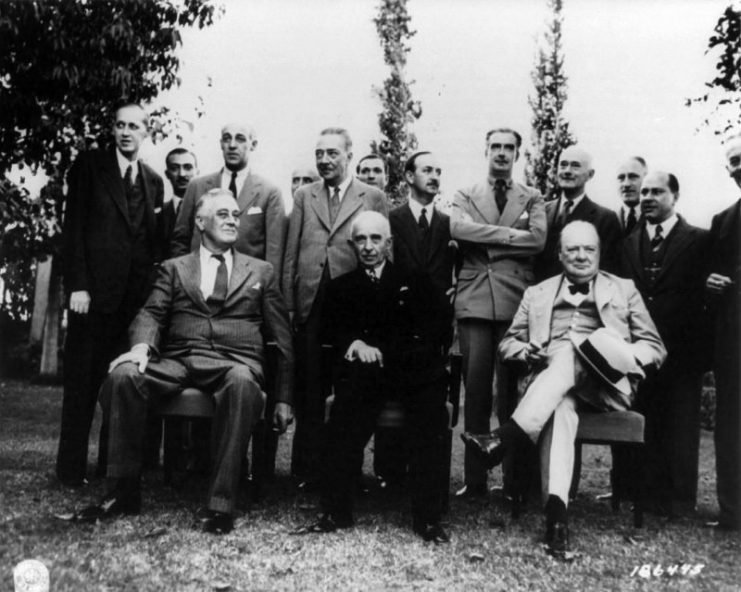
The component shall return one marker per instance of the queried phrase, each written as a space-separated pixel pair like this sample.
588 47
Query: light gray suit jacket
262 219
620 308
497 249
313 242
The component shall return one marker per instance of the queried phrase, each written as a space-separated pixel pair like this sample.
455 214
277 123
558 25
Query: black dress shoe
326 523
116 503
217 522
488 447
433 533
477 490
557 541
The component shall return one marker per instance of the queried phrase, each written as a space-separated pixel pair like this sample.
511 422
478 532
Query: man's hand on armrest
139 355
533 354
282 417
367 354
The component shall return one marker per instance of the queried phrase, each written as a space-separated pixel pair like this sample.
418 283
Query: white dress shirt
343 188
666 227
416 208
123 164
226 179
209 267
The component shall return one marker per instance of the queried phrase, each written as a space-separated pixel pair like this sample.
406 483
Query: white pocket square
254 210
524 216
256 286
157 210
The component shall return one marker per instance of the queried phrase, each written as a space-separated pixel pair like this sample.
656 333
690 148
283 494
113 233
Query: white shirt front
209 267
416 208
574 203
226 179
666 227
124 163
343 188
377 270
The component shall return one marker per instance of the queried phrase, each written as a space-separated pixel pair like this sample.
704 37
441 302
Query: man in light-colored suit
203 326
262 215
585 336
318 249
500 226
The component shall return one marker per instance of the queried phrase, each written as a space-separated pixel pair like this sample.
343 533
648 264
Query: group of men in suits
381 294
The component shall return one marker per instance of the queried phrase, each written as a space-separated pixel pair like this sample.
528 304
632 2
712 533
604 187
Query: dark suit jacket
97 234
166 226
608 229
176 321
401 316
725 259
434 259
262 219
676 300
312 241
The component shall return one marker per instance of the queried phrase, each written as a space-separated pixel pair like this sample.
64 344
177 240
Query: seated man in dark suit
390 333
586 338
203 327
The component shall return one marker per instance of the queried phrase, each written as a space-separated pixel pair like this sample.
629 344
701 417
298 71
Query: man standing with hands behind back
500 226
110 246
262 214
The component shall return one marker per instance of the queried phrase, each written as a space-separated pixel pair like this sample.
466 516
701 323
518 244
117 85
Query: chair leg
170 448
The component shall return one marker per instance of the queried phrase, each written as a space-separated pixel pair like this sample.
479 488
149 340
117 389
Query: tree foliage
400 110
550 130
64 65
724 90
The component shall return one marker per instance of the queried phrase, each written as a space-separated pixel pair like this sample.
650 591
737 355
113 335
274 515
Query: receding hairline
142 110
371 217
178 152
579 153
579 225
249 128
210 196
338 131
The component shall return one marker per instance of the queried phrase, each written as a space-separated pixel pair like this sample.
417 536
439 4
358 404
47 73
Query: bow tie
579 289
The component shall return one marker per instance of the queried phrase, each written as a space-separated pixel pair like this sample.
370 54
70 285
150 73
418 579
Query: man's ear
199 223
591 174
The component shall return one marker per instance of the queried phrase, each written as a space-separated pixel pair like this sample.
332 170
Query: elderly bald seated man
586 338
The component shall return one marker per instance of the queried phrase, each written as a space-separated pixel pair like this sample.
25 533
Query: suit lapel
351 202
437 231
189 269
484 203
604 289
544 308
114 183
551 209
681 238
633 242
411 236
320 203
584 211
241 271
149 193
249 192
515 206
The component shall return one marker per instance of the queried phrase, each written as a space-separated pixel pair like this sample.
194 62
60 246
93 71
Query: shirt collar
343 187
226 178
666 226
574 202
123 164
416 208
378 270
205 255
507 182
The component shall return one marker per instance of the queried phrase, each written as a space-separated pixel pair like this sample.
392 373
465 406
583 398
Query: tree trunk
40 301
49 367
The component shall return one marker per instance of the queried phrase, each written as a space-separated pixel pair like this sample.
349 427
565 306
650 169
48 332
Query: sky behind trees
292 68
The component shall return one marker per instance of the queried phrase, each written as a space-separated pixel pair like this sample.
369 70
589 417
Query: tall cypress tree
399 109
550 131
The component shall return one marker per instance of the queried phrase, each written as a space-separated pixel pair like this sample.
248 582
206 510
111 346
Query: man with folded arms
202 327
586 338
262 215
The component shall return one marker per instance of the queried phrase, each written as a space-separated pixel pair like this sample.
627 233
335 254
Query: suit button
650 298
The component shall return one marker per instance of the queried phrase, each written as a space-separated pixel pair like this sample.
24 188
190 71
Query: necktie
631 220
424 225
579 289
657 239
370 272
500 194
221 285
334 205
566 211
233 184
128 178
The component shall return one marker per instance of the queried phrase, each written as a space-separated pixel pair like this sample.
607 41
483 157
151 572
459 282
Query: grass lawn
161 549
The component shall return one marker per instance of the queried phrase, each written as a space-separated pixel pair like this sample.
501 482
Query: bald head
302 176
659 194
574 170
371 238
579 251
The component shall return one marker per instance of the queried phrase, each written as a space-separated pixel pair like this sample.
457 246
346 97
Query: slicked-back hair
177 152
373 157
125 105
338 131
505 130
672 183
640 160
209 195
411 163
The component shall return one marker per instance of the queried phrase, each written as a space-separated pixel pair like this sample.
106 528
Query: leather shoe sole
324 525
110 507
487 447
